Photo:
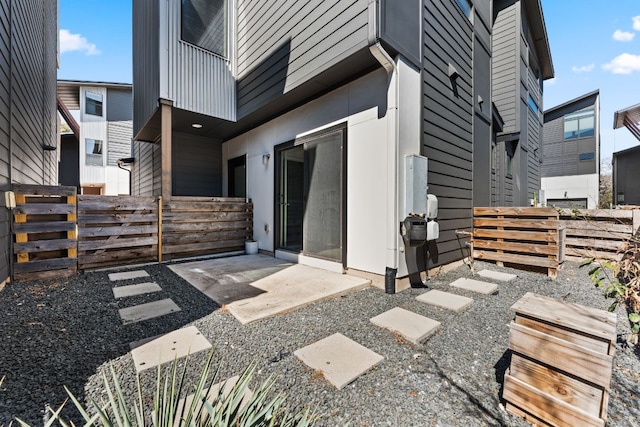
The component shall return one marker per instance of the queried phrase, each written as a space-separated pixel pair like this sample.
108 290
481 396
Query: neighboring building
626 163
310 109
571 153
104 114
521 62
28 121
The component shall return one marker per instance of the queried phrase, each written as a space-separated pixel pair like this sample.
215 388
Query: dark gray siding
447 120
401 27
27 102
196 166
284 43
504 71
146 63
145 169
626 176
119 125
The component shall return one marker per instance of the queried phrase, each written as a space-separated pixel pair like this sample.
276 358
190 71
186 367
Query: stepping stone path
125 275
446 300
496 275
174 345
147 311
475 286
340 359
133 290
411 326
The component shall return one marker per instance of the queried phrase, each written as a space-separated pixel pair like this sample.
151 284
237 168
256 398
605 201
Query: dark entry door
310 189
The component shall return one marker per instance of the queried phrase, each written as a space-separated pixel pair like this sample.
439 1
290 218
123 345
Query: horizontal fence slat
131 204
185 238
597 214
145 254
611 245
44 190
194 247
121 230
516 259
44 264
536 236
574 232
516 247
189 199
88 245
515 223
515 211
204 206
212 226
44 245
43 227
582 253
598 226
44 209
170 217
116 218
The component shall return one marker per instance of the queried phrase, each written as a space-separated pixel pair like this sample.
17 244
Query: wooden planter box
561 364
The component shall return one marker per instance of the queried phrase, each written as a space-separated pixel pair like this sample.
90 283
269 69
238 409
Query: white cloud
583 69
636 23
623 64
623 36
75 42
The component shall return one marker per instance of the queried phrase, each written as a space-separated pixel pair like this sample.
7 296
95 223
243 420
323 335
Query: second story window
204 24
94 152
93 104
533 105
579 125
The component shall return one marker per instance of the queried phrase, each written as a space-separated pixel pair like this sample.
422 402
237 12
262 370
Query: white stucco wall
368 107
573 187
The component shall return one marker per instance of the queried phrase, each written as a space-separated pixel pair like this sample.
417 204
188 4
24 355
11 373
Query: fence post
159 229
635 222
73 252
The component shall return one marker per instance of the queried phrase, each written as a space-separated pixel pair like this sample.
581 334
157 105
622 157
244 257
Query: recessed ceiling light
196 125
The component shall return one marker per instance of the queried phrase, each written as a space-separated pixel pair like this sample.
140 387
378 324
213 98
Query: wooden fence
57 232
523 236
116 230
205 225
44 228
598 233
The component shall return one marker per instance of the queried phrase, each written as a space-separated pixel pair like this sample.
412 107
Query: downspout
383 57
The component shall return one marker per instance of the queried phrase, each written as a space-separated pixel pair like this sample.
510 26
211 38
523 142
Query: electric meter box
432 206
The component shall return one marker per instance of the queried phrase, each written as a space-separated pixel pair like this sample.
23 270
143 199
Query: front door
310 191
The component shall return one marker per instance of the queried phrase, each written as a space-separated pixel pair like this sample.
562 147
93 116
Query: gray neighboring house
28 118
315 111
104 115
571 153
626 163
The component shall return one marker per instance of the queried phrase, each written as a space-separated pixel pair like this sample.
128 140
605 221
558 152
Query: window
204 24
587 156
465 5
94 152
237 177
533 105
93 104
579 125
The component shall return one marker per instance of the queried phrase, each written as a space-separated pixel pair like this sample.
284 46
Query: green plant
218 406
621 281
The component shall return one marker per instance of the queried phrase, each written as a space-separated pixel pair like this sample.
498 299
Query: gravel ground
66 332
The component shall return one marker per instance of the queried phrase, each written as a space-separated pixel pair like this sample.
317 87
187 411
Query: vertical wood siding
447 120
196 166
143 172
146 62
284 43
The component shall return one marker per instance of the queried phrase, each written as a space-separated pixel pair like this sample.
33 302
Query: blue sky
595 44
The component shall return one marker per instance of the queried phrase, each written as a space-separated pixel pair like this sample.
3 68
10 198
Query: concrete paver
141 312
125 275
496 275
340 359
133 290
412 326
446 300
168 347
475 286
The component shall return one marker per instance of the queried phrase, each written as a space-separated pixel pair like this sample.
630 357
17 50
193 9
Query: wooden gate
44 228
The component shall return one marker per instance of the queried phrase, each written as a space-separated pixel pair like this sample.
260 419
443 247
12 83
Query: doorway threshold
299 258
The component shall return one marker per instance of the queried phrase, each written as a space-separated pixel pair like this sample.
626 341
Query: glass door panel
291 198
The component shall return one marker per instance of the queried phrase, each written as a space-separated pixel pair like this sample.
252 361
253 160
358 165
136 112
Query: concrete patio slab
411 326
340 359
475 286
496 275
125 275
257 286
141 312
445 300
168 347
133 290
